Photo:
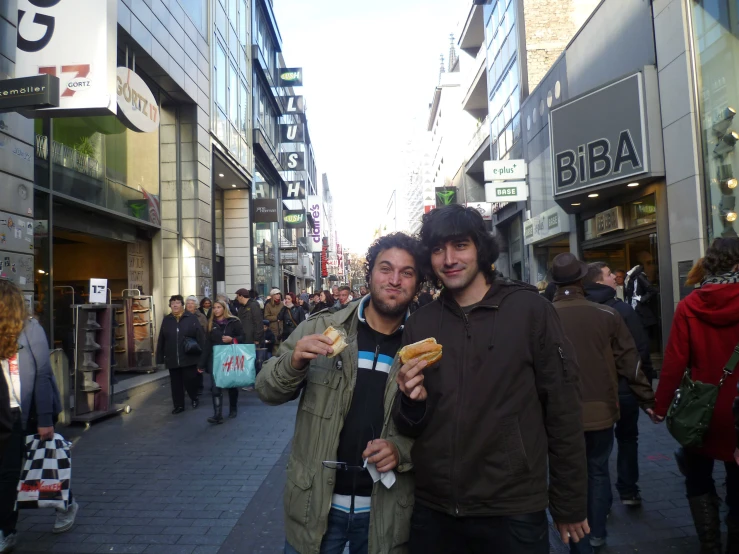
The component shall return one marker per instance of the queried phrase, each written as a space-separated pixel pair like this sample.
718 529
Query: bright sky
369 67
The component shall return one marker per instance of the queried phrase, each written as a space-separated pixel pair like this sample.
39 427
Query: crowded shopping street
389 277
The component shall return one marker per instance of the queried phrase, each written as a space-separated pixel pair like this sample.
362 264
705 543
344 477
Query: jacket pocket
321 392
402 520
298 492
510 434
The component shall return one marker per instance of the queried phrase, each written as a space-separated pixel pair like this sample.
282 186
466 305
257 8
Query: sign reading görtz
136 101
504 170
75 40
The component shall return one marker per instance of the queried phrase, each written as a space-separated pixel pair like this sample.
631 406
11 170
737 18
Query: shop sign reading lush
136 102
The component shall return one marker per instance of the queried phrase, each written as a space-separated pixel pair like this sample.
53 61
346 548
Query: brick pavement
157 483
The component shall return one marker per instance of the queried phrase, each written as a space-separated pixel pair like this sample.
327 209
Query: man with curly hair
343 419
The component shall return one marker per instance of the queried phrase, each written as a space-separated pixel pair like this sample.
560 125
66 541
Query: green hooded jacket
324 403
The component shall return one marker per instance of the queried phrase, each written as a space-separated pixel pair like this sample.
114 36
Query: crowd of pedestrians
534 388
521 413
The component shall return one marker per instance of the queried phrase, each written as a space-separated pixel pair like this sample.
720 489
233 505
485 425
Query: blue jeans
343 528
598 446
627 435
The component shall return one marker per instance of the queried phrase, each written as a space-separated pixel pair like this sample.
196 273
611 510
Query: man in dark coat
178 353
250 314
506 362
601 287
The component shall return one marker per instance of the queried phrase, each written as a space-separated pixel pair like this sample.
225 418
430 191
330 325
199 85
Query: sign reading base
510 191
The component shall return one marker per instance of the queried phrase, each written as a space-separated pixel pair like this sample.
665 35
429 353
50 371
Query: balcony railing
479 136
68 157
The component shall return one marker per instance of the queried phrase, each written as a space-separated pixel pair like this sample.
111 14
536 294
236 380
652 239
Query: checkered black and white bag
47 473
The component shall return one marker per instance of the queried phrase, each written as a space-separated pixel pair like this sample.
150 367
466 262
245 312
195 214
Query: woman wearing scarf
223 328
705 331
291 315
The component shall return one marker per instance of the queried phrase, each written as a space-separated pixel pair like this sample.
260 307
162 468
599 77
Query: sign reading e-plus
599 137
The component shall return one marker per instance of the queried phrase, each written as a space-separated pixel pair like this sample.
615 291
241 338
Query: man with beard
497 422
344 415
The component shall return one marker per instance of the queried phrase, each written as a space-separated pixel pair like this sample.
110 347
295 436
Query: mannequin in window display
641 293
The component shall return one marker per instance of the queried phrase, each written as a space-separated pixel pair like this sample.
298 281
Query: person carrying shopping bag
33 401
702 352
223 328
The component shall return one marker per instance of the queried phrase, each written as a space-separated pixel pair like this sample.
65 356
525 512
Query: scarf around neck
730 278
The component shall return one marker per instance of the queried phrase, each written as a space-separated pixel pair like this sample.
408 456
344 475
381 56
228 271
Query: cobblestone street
156 483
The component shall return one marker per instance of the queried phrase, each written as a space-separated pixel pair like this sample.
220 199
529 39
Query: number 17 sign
98 291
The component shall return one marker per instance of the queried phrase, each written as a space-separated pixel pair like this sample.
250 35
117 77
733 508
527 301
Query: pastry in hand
338 338
427 349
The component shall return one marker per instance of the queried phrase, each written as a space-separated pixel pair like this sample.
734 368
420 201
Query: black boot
232 411
217 409
704 509
732 546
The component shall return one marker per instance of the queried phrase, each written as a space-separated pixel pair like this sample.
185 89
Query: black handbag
192 347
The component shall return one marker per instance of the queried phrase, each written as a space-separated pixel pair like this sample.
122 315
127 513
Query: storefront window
100 161
716 28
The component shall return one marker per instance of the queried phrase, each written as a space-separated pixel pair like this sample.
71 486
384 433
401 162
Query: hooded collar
599 293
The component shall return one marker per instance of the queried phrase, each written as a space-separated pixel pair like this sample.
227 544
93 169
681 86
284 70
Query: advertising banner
293 219
292 161
137 103
265 210
293 190
315 206
74 40
290 77
292 132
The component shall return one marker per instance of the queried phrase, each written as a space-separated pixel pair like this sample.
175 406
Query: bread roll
338 338
427 349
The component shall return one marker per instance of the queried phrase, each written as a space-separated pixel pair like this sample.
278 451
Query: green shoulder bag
692 408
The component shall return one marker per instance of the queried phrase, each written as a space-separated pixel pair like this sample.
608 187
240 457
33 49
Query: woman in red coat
705 331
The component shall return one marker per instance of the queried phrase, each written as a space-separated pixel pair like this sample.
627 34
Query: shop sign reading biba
137 103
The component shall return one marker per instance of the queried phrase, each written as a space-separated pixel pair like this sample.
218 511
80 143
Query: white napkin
388 478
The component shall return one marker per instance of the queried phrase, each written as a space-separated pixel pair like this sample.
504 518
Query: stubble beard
385 308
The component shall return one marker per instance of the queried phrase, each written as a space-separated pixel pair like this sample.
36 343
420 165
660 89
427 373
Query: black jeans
627 435
698 471
434 532
10 472
233 393
183 379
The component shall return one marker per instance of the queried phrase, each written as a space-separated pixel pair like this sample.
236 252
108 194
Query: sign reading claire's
600 137
315 206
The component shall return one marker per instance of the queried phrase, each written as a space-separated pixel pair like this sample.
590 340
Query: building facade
647 176
119 174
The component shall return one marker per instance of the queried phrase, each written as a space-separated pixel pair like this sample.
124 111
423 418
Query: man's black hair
455 221
176 297
396 240
348 289
595 273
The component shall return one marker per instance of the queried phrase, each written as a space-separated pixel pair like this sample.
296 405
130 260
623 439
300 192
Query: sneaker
633 499
595 542
7 542
65 520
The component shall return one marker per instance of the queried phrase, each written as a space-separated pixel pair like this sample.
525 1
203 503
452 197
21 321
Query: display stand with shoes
93 388
134 339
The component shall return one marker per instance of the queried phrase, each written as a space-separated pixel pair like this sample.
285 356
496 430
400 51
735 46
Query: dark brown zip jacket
605 350
503 401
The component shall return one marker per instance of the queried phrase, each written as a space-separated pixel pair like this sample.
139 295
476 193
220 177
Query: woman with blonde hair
33 403
223 328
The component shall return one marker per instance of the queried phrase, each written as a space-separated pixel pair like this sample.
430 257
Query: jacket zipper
460 384
178 342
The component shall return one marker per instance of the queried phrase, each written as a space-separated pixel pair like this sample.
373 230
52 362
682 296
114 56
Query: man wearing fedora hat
605 350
